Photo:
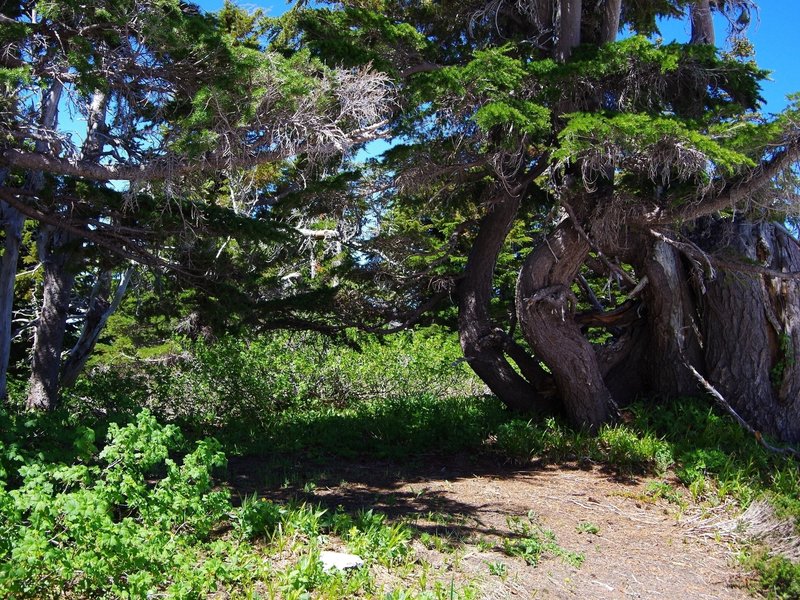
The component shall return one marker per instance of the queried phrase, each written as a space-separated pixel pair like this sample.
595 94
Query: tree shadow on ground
409 490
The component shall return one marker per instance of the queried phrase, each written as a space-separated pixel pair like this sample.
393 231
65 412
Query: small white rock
339 560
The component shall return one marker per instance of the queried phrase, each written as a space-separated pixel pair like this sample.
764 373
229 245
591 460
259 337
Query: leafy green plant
106 527
530 542
255 517
587 527
498 569
777 576
369 536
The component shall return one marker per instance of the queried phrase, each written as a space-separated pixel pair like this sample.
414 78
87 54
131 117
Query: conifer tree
165 99
645 163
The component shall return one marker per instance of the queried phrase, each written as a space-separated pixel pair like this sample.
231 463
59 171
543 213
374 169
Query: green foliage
249 386
104 528
128 521
530 542
369 536
587 527
778 577
616 445
638 135
255 517
786 360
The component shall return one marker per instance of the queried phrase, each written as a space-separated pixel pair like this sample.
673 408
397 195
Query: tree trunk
569 33
610 25
622 364
11 221
545 309
55 252
481 344
752 327
97 314
56 249
702 23
673 323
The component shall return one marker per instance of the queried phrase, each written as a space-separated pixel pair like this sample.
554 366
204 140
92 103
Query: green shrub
106 528
778 577
243 384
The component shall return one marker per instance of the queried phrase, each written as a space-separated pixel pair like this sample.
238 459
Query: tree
645 163
168 97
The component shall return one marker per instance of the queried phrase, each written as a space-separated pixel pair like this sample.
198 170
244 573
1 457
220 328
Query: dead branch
720 400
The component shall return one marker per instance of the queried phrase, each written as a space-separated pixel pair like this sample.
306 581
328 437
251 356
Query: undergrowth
102 498
140 517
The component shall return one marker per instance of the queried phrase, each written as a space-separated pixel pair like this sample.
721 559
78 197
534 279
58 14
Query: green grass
530 541
139 516
63 507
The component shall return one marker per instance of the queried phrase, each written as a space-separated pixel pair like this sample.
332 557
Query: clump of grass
616 445
530 541
587 527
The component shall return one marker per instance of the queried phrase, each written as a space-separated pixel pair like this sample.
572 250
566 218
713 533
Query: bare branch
170 167
720 400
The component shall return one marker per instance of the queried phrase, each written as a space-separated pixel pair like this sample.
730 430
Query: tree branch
733 194
720 400
171 166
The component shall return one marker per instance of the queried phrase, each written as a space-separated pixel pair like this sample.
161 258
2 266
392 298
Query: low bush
232 383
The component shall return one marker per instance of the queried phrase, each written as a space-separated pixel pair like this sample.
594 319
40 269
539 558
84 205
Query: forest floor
475 520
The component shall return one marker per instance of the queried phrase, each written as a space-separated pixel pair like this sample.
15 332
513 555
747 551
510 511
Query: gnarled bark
12 222
673 325
481 343
545 308
752 327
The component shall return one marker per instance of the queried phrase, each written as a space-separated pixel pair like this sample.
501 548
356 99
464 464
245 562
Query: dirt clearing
535 532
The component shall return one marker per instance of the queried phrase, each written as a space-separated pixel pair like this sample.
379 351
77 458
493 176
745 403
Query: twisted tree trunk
545 309
481 343
751 325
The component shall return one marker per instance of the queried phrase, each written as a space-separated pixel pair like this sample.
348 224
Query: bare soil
643 547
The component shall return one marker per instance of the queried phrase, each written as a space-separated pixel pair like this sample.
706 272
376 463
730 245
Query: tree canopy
600 215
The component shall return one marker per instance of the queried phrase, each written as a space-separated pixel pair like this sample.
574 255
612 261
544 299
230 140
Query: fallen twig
744 424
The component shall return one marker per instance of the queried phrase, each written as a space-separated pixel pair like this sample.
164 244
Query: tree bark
569 33
11 221
57 254
99 310
673 323
49 337
610 25
702 23
481 343
545 309
752 327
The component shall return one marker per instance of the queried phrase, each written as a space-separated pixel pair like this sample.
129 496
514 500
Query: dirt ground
641 547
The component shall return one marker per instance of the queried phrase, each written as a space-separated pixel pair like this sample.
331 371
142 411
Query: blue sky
774 33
